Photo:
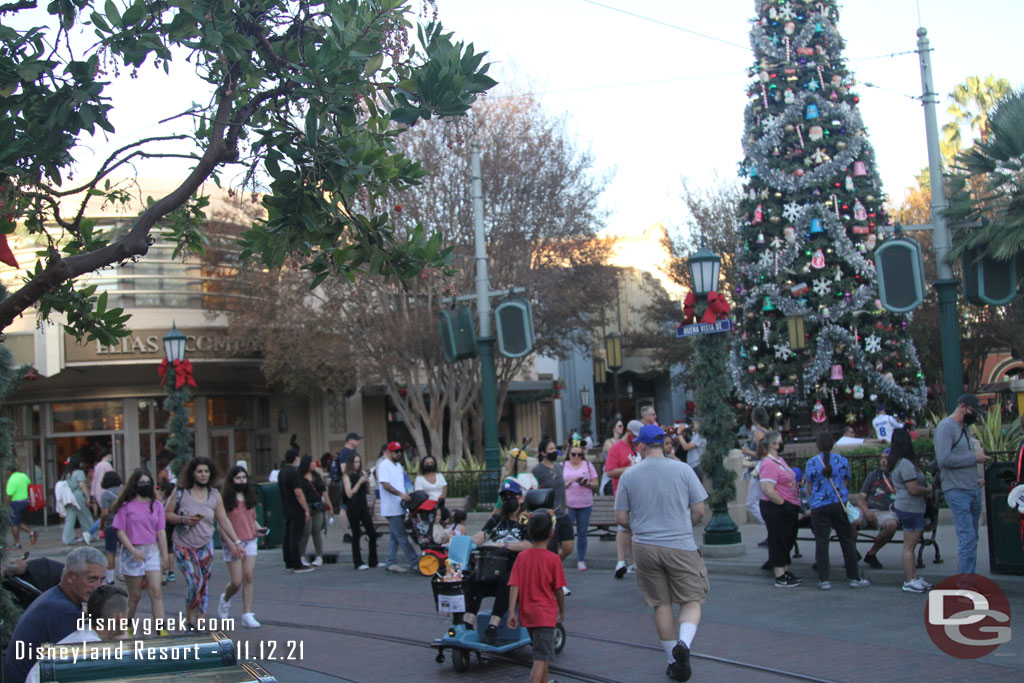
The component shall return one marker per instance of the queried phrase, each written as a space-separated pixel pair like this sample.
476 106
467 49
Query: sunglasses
576 455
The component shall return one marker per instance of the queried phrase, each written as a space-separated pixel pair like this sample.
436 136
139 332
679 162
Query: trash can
1005 549
268 499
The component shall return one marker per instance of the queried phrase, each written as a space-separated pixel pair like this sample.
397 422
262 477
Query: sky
657 103
656 88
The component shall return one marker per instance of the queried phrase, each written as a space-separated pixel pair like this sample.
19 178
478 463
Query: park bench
380 524
602 517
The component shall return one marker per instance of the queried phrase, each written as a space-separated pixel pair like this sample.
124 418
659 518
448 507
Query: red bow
182 373
717 309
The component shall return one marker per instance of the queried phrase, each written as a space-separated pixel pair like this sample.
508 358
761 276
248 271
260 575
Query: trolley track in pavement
561 671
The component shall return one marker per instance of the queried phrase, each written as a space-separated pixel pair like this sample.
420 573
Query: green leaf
110 9
373 64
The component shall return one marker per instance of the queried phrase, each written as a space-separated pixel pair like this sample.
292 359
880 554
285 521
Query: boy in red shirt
537 577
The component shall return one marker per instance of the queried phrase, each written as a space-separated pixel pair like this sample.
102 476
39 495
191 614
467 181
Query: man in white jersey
884 424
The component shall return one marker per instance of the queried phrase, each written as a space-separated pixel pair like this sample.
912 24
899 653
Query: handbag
36 497
852 511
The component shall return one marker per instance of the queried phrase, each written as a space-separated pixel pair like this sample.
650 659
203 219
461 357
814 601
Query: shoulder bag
852 511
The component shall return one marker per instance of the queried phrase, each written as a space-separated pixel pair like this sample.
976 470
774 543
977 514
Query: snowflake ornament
767 258
792 212
873 344
782 351
786 12
821 286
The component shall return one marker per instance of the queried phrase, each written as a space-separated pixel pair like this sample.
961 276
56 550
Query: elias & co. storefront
84 398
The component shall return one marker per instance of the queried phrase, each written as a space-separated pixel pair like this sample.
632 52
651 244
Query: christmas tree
812 205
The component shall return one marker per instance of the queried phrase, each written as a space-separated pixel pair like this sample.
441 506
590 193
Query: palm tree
987 184
972 102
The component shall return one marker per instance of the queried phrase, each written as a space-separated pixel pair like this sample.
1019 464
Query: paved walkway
339 624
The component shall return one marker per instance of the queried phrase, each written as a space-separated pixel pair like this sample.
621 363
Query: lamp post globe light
176 376
714 387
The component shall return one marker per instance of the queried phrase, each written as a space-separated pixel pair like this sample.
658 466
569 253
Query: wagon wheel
428 565
559 638
460 660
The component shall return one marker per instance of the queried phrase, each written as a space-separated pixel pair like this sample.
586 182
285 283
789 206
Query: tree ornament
758 218
818 413
859 212
789 234
776 244
821 286
873 344
836 372
816 226
859 168
870 242
789 28
818 260
849 183
858 391
792 211
815 133
812 111
786 12
825 313
782 351
768 305
788 97
776 381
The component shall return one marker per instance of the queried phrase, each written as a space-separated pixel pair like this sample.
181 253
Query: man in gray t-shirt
958 457
658 500
549 476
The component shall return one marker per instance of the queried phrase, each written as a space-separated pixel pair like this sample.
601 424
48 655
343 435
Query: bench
870 536
380 524
602 518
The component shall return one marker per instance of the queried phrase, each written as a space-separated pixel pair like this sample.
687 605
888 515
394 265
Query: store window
88 416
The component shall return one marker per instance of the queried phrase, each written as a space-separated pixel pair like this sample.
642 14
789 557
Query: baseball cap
394 446
353 435
651 434
511 486
635 426
971 401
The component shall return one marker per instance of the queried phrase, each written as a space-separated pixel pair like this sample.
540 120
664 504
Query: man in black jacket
295 510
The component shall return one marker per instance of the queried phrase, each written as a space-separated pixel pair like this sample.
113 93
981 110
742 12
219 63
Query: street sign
703 328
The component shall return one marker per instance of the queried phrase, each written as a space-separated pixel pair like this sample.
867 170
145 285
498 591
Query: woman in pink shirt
240 504
780 507
139 521
580 483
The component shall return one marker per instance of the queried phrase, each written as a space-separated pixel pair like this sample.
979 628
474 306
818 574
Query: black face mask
552 456
970 418
430 468
509 506
242 487
144 490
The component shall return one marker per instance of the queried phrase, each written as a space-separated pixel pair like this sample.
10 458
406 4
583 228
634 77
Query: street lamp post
599 372
613 357
721 536
176 376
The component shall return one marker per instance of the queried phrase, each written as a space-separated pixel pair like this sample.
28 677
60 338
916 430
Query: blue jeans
580 517
966 507
396 524
81 515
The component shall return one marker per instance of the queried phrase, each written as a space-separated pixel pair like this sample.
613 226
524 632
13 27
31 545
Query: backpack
335 471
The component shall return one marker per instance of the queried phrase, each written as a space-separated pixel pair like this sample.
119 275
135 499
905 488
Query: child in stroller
425 520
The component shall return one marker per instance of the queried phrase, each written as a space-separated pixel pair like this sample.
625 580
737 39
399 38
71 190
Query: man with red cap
391 477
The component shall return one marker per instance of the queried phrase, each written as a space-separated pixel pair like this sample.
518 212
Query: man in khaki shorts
659 500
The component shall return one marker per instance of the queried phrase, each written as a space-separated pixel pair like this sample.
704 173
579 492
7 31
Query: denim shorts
911 521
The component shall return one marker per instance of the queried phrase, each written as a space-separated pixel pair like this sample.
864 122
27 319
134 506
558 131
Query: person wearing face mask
139 521
505 530
391 477
431 481
958 456
240 504
550 477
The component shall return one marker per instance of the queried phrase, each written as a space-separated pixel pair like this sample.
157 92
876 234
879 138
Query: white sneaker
362 567
224 609
249 620
305 564
924 583
913 587
87 537
566 591
859 583
396 568
318 561
631 569
620 569
581 566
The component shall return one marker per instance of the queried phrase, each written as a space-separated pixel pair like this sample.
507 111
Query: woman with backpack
139 521
193 508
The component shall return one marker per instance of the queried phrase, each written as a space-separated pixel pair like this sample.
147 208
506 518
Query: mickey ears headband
577 442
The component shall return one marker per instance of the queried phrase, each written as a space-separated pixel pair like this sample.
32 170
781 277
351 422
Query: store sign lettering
150 344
